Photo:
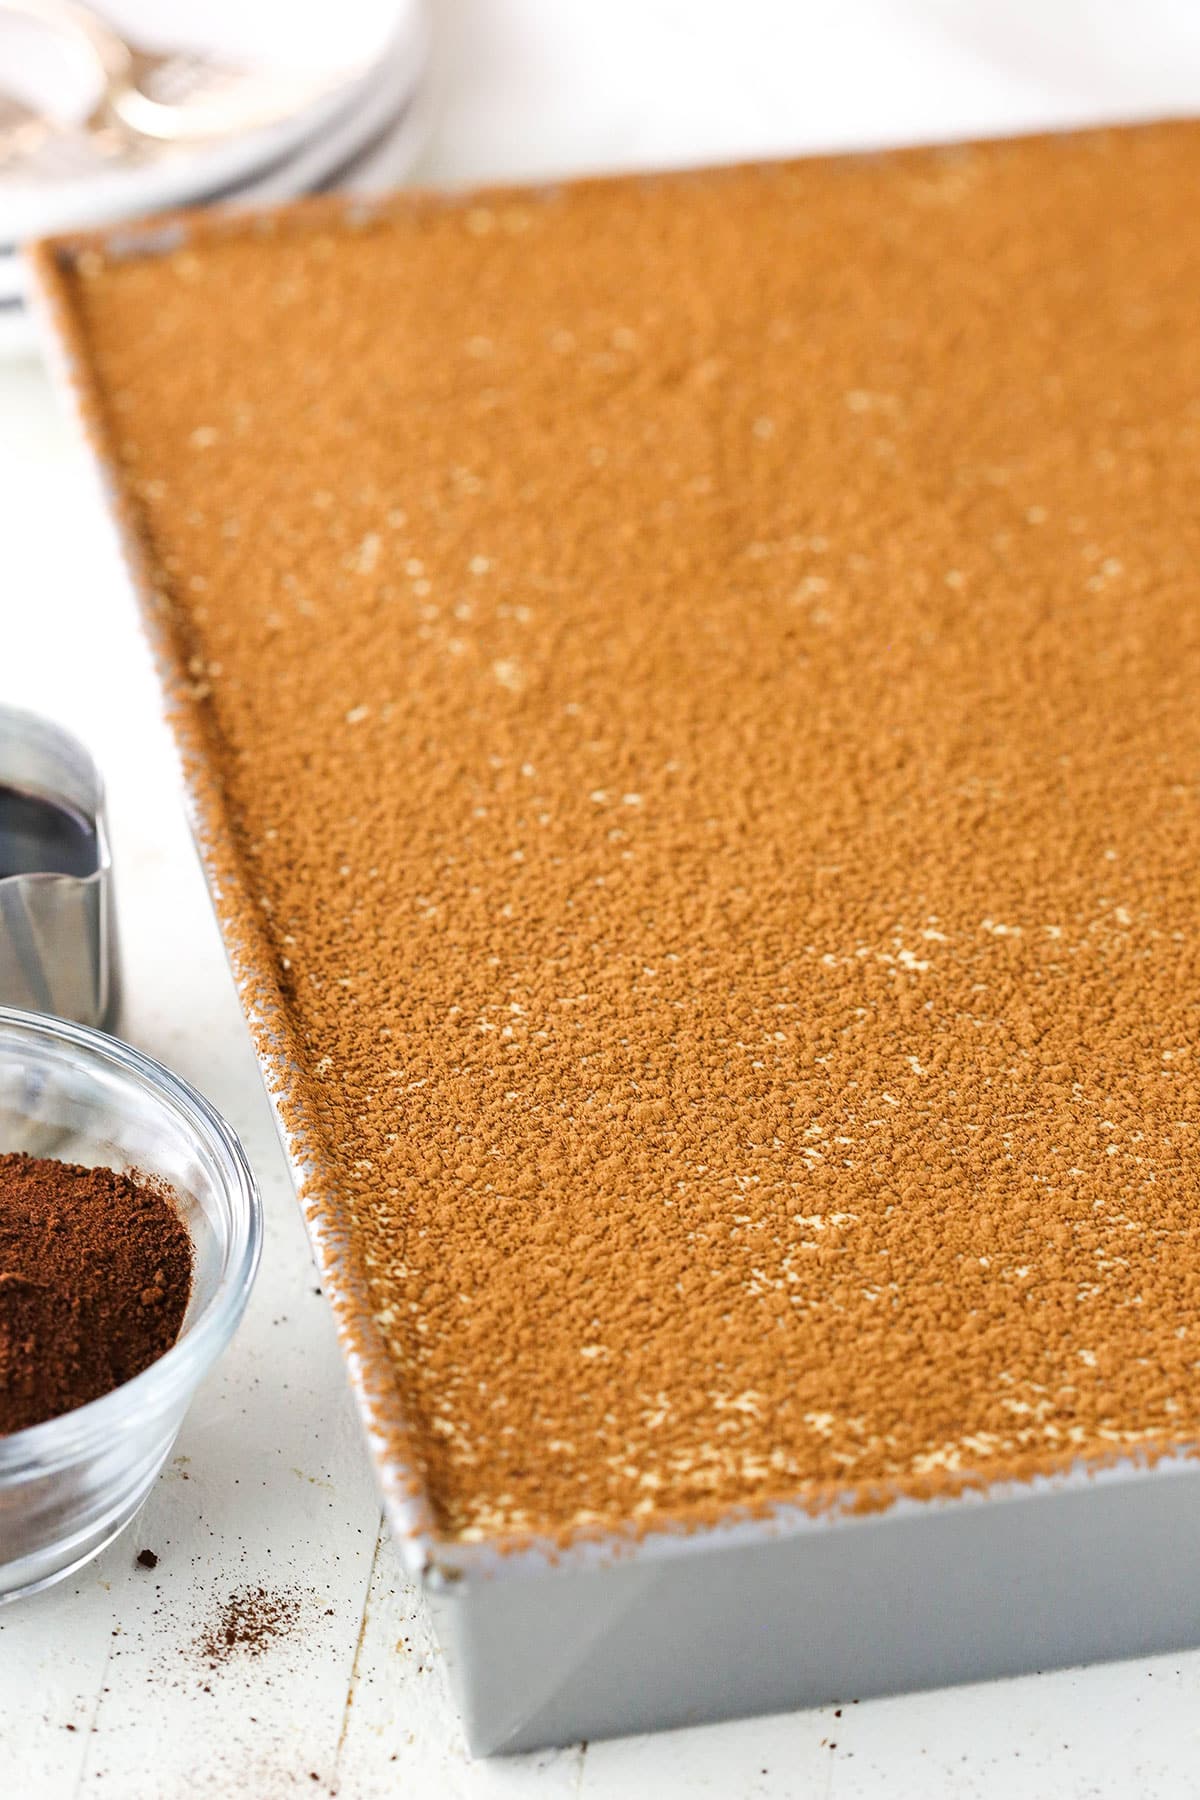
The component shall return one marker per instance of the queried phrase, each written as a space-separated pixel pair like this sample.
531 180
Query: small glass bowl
69 1485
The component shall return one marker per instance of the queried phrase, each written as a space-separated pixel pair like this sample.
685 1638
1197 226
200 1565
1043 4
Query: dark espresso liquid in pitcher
44 837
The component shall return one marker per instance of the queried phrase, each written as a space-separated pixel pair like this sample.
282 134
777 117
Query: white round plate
387 161
381 115
344 44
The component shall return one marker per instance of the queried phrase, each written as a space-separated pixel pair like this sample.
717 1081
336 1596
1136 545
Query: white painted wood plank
269 1490
402 1733
53 1653
784 1758
1082 1734
1105 1733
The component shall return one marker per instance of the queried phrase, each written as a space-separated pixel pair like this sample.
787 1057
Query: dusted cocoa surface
699 676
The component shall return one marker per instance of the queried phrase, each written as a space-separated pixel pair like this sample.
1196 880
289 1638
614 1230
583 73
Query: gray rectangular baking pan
800 1611
547 1644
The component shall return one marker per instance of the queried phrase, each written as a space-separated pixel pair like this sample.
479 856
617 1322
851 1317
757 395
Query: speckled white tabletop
104 1685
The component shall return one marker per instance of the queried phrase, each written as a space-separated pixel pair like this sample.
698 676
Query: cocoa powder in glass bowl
95 1274
159 1293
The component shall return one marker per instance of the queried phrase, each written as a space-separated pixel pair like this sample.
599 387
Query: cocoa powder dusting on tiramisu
701 674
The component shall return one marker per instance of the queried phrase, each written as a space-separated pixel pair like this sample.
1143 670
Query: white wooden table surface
103 1689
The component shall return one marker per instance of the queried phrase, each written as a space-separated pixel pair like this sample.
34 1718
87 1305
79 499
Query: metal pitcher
58 936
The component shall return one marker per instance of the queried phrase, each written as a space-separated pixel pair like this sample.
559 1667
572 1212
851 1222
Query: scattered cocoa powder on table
95 1274
247 1623
694 686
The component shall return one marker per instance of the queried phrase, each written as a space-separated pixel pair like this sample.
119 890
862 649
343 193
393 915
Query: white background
102 1688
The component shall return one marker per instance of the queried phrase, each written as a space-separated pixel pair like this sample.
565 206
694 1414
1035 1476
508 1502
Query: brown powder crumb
699 700
80 1251
248 1623
146 1559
